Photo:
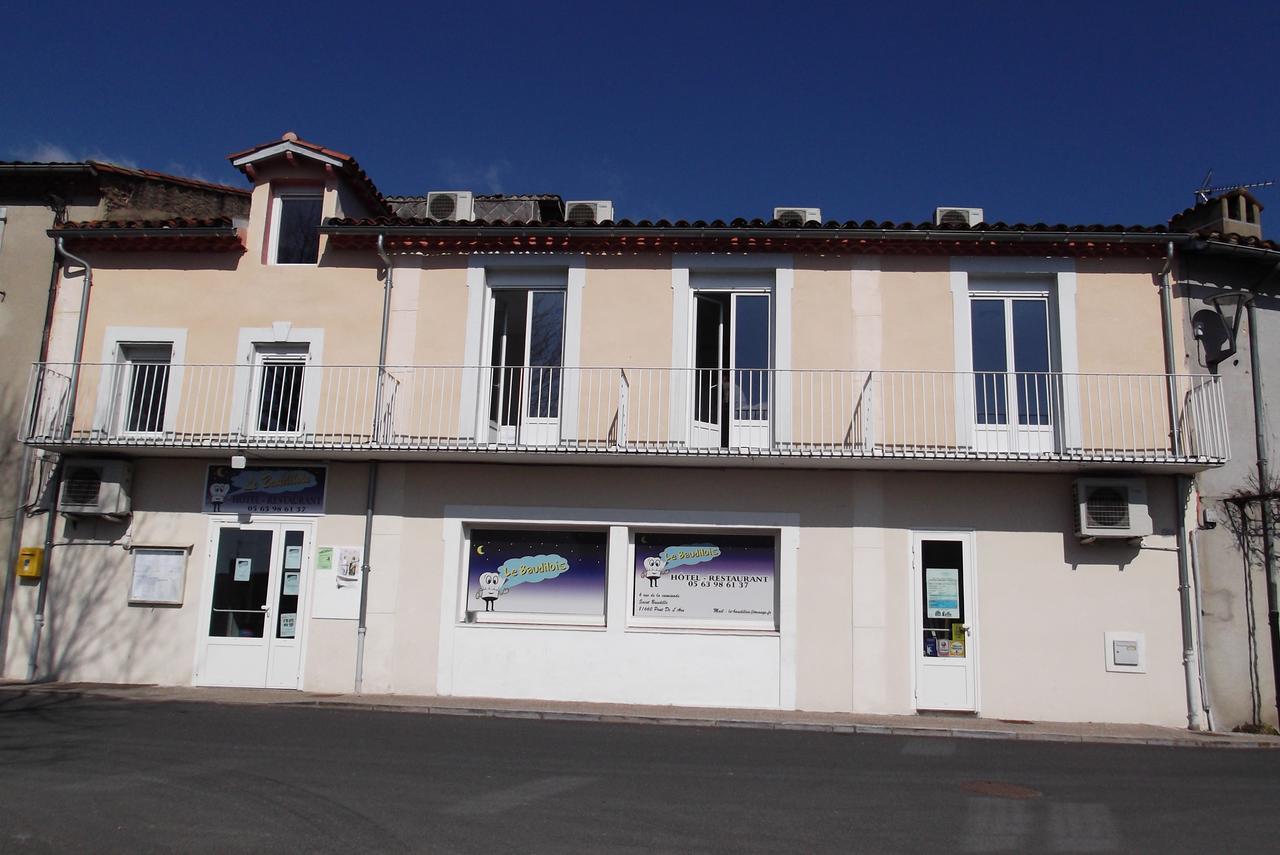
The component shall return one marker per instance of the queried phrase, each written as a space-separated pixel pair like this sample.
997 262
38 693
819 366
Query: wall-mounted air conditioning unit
1111 508
588 213
957 216
449 205
797 216
96 488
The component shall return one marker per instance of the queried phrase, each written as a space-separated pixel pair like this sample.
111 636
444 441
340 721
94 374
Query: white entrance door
944 631
732 368
527 358
1017 399
252 631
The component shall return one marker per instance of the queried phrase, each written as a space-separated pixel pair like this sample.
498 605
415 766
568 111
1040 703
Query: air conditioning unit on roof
957 216
96 488
589 212
797 216
1111 508
450 205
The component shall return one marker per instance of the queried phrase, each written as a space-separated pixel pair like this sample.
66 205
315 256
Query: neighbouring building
33 198
1230 256
522 447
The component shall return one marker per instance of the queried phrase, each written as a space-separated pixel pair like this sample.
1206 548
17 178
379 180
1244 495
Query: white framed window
523 345
143 381
140 384
278 382
708 579
294 236
517 575
732 332
1016 354
279 388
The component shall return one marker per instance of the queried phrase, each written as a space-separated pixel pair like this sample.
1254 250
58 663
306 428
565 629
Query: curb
1224 740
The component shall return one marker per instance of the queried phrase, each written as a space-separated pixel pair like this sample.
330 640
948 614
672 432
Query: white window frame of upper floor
107 408
553 271
251 343
278 195
979 275
685 268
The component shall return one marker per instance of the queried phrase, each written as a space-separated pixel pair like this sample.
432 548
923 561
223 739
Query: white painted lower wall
614 666
845 641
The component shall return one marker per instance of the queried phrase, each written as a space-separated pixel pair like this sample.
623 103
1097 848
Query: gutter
175 232
950 236
1221 247
362 627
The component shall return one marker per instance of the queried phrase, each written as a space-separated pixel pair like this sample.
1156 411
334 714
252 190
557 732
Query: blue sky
1108 112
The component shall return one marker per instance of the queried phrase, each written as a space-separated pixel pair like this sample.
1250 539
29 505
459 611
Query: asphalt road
84 774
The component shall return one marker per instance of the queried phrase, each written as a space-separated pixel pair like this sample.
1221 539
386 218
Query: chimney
1234 212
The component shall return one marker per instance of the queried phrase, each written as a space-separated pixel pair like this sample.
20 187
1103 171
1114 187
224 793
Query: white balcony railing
805 413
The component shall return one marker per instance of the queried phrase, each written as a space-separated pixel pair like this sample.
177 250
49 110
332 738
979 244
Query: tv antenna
1204 191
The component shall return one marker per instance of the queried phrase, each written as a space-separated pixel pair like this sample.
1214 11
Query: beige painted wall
919 326
1043 601
627 312
1118 317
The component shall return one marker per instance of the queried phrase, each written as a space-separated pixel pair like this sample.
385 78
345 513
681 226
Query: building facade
33 198
801 465
1230 259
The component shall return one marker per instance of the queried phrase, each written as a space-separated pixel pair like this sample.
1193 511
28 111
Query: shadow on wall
1243 517
88 607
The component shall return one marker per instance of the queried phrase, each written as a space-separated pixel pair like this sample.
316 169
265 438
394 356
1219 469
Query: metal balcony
916 419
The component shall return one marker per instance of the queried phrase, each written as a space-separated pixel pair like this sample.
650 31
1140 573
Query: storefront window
705 580
536 576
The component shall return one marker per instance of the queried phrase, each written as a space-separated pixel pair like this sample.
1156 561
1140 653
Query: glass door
750 365
252 635
708 371
1016 393
944 631
526 366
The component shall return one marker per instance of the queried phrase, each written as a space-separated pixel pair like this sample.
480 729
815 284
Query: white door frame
743 433
530 430
919 662
277 524
1013 436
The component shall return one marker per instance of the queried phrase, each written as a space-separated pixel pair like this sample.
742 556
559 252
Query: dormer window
295 226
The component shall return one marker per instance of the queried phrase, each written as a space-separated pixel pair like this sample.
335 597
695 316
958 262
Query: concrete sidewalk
961 726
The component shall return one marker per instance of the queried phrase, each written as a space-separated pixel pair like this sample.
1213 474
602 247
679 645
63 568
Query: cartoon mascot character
654 567
490 589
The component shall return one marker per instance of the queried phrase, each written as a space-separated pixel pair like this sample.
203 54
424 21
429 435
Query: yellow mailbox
30 562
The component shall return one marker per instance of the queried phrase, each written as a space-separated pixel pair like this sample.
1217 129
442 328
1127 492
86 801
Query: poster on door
513 573
338 578
942 592
265 490
706 580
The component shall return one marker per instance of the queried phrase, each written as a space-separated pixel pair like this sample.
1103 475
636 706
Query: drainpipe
42 595
1182 491
362 628
80 328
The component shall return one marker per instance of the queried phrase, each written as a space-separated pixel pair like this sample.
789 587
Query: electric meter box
30 562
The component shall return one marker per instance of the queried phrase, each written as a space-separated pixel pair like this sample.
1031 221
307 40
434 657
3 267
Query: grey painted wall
1233 603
